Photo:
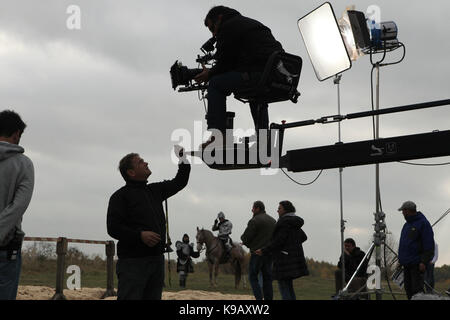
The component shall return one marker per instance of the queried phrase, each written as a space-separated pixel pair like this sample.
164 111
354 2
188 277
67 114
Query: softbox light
324 42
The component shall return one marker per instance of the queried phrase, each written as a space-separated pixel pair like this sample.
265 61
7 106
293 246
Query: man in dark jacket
416 248
353 256
242 50
257 235
136 218
286 247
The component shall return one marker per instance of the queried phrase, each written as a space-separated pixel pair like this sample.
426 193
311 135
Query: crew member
242 50
258 235
16 190
416 248
353 256
136 218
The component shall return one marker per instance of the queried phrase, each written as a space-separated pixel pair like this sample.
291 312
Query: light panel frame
324 42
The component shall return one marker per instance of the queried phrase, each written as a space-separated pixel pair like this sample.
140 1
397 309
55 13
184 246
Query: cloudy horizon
92 95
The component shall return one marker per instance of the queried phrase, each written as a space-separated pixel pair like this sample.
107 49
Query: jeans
140 278
222 85
413 280
287 289
429 278
261 265
9 276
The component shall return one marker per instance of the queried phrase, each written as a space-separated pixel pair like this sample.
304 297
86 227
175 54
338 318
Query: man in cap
224 226
416 248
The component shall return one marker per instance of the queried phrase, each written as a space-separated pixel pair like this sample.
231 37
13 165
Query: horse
214 255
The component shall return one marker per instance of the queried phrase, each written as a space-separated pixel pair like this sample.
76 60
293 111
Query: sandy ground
46 293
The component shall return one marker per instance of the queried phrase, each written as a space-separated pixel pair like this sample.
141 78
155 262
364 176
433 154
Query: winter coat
352 262
244 45
16 189
259 231
138 207
286 247
416 241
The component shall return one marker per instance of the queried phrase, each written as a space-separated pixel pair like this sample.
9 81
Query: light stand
337 81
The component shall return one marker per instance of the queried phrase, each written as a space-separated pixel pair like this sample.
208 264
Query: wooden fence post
61 250
110 249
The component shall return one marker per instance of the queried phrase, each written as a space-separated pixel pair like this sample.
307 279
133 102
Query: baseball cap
408 205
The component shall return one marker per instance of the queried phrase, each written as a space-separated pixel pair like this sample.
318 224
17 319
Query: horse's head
200 237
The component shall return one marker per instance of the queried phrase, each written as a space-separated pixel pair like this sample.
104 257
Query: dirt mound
46 293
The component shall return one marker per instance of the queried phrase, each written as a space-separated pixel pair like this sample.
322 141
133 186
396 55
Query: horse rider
185 251
224 226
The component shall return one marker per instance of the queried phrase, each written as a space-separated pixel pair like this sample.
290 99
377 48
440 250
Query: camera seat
278 82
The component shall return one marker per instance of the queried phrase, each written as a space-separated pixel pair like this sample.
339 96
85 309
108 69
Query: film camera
183 76
278 81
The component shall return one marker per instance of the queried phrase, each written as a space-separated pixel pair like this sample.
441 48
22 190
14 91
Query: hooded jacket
416 241
16 189
286 246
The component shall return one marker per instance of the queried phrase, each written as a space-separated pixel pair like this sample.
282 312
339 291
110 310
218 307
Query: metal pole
110 249
169 243
366 257
61 250
377 173
337 81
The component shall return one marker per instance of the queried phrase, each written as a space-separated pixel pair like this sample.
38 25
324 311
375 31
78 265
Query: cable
426 164
303 184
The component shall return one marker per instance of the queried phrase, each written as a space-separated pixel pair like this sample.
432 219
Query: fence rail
61 251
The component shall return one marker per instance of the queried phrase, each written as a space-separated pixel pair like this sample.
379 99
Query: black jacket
243 44
286 246
137 207
352 262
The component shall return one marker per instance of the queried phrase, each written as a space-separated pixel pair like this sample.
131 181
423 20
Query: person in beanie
416 248
16 190
185 251
257 235
286 247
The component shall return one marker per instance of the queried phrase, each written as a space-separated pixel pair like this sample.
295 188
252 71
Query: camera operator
242 49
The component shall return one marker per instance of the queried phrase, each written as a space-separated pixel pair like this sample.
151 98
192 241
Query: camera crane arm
417 146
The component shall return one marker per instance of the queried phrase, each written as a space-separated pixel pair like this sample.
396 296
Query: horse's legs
237 266
216 272
210 267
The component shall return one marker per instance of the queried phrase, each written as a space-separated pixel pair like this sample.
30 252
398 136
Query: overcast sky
92 95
